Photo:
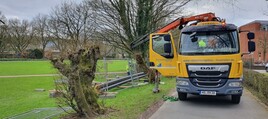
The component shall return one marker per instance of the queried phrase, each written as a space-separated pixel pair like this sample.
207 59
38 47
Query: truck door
162 54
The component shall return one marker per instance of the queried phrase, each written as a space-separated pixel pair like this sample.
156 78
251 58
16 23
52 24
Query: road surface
260 71
197 107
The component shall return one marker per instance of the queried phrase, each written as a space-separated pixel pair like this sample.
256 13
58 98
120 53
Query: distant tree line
71 26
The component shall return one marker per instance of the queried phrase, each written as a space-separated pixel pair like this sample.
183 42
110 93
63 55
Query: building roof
262 22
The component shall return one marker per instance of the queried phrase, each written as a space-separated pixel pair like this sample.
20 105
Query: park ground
18 94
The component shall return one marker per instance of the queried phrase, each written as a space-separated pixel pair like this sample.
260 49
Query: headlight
183 83
235 84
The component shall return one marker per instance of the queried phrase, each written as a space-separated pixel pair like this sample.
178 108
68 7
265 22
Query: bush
258 82
35 54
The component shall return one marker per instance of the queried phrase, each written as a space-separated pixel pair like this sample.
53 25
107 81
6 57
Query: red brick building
260 28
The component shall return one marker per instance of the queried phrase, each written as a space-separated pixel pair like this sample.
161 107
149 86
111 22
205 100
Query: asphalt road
199 107
260 71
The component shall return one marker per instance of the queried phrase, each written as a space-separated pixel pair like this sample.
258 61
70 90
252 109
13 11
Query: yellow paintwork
233 59
177 66
168 66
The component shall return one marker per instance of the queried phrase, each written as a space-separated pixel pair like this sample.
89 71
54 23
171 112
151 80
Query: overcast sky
242 12
27 9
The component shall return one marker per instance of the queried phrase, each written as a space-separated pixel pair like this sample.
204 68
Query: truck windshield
207 43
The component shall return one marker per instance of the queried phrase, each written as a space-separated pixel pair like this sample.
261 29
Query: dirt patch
154 107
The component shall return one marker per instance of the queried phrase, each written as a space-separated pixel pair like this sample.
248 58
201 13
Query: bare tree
72 23
19 34
3 36
263 46
40 29
122 21
58 36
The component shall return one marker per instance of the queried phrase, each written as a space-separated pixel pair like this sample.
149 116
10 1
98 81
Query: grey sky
27 9
242 12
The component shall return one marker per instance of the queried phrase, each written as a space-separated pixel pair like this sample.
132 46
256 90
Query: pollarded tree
79 91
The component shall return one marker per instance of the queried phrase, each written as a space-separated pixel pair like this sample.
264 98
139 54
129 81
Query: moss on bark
79 92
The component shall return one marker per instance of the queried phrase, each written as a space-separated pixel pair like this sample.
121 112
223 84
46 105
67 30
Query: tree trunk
144 68
81 73
43 50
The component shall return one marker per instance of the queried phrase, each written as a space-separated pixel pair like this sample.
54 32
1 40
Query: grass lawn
25 68
18 95
112 65
132 102
44 67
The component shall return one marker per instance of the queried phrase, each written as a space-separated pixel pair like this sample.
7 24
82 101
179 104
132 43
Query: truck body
206 60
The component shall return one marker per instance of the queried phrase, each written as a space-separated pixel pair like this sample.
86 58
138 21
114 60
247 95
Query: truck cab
206 59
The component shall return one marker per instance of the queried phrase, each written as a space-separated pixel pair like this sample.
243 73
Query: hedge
257 82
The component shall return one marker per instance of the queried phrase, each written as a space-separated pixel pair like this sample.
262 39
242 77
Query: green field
8 68
132 102
25 68
18 95
112 65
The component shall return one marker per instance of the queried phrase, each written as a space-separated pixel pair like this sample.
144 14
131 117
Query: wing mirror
250 35
251 46
167 47
167 37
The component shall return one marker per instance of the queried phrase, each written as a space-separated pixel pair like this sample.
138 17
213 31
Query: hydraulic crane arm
174 24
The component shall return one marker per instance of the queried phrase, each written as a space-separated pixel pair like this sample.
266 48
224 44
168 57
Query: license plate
207 92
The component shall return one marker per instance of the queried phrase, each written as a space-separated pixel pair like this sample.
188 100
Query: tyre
236 99
182 96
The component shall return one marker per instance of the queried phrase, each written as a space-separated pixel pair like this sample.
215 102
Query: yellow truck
206 60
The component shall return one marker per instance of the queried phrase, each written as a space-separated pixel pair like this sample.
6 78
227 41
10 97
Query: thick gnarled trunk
81 73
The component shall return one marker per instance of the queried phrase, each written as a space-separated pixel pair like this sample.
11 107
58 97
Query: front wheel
182 96
236 99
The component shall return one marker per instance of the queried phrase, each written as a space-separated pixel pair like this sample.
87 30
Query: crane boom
174 24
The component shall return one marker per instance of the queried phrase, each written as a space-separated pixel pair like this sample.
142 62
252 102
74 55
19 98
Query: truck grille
208 75
208 82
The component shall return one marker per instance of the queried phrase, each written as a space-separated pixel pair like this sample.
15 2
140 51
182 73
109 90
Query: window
158 46
222 42
264 27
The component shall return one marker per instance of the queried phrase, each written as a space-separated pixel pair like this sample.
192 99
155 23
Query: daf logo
207 68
